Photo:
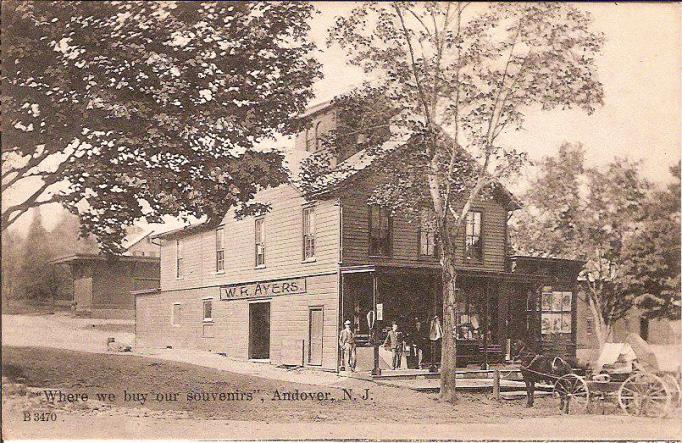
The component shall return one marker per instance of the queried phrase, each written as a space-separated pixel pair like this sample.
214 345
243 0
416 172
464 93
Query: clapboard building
103 286
279 287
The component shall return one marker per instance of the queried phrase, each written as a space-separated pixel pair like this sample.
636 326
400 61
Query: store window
473 242
219 250
260 242
380 224
556 311
308 233
427 233
208 309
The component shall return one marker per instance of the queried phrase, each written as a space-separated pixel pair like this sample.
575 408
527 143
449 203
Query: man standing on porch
394 341
347 345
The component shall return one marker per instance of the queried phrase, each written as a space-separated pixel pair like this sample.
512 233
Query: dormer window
312 138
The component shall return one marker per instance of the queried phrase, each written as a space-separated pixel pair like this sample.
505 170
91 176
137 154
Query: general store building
279 287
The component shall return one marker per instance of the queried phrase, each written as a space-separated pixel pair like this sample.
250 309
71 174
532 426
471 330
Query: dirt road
325 412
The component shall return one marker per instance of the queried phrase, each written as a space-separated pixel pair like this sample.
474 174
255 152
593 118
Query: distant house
142 246
655 332
103 285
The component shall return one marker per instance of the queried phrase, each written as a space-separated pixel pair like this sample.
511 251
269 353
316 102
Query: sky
639 67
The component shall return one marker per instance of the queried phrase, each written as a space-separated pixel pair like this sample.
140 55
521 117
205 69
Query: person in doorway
347 345
417 339
394 342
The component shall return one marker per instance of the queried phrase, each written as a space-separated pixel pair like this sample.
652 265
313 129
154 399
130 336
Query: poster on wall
546 301
566 301
566 323
556 301
552 323
556 323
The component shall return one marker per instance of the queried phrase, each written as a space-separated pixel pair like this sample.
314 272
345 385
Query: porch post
375 329
433 367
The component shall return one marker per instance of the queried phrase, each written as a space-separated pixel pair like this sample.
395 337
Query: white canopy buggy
623 358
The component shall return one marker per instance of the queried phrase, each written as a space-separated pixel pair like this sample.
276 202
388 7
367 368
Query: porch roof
428 268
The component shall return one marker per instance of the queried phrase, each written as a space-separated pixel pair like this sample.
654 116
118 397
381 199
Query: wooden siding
284 245
405 241
230 325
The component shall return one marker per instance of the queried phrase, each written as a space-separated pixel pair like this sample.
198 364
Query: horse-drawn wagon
626 374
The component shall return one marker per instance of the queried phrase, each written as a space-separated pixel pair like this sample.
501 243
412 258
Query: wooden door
259 330
315 331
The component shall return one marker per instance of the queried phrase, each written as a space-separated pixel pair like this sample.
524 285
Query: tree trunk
449 345
601 330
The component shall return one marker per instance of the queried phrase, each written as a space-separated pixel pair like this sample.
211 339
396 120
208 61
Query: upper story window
380 224
427 233
308 233
178 258
219 250
207 309
317 136
312 138
260 242
473 242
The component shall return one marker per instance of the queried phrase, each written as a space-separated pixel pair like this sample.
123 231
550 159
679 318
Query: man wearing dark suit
394 342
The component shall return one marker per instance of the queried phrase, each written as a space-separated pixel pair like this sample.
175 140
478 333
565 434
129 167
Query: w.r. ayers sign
263 289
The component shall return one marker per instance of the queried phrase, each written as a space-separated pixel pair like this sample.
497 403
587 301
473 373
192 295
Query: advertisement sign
263 289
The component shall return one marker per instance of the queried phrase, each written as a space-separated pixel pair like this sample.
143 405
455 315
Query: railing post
375 330
496 384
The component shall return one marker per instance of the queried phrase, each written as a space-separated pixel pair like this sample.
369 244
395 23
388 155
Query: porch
491 314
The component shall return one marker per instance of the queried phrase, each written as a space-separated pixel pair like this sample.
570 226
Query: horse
536 367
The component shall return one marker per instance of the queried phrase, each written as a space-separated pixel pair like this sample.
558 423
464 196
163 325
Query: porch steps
465 374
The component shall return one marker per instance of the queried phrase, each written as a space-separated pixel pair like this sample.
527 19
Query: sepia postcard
341 220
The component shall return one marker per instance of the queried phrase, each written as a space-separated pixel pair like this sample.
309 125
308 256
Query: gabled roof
135 240
360 162
185 230
363 162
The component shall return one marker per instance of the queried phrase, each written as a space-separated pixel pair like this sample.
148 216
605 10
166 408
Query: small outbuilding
102 284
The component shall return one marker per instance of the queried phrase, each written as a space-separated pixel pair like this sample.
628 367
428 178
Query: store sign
263 289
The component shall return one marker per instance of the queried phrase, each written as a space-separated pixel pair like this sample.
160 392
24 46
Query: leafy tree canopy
586 213
651 255
146 109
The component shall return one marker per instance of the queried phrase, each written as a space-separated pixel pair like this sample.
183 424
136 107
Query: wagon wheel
644 394
574 389
674 388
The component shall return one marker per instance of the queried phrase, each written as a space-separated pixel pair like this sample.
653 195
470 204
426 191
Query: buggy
627 374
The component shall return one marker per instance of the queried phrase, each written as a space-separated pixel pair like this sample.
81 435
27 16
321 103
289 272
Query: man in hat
394 342
347 345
